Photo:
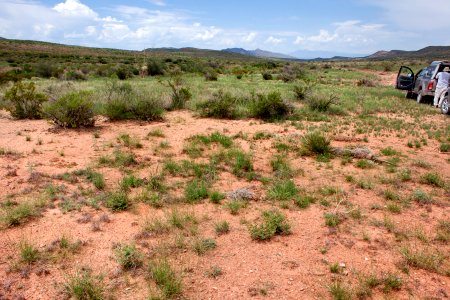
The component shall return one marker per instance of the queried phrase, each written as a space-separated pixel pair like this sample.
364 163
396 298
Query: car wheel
409 95
419 97
444 106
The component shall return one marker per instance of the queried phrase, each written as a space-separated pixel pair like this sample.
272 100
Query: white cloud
74 8
249 38
158 2
416 15
273 40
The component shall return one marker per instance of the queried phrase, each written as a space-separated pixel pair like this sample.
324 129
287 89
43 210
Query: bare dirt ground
296 266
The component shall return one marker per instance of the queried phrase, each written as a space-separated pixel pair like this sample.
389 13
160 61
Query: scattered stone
242 194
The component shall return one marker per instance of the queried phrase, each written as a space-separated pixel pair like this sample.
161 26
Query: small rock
342 265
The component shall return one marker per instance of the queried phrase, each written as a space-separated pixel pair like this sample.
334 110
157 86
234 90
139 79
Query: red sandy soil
290 267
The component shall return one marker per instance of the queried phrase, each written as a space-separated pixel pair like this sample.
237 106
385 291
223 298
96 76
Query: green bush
118 201
267 76
180 94
321 103
166 278
156 67
83 286
316 143
124 103
301 91
129 257
72 110
23 102
270 107
211 75
274 222
222 105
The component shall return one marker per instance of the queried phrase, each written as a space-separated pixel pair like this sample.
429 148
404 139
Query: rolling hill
432 52
258 53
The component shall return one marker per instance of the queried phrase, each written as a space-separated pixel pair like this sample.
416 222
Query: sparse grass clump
216 197
365 164
201 246
422 197
97 179
304 201
72 110
129 141
433 179
314 143
340 292
196 190
426 259
222 227
129 257
120 159
83 286
28 252
321 103
283 190
234 206
165 278
131 181
332 219
214 272
274 223
445 147
281 167
18 214
241 163
118 201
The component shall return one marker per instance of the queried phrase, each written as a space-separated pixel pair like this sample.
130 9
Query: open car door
405 79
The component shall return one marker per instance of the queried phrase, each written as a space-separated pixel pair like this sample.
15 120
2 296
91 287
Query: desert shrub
291 72
211 75
274 222
83 286
315 143
201 246
72 110
28 252
124 73
365 82
433 179
270 107
180 94
75 75
166 278
301 91
283 190
123 103
47 70
23 102
222 105
118 201
156 67
267 76
129 257
321 103
196 190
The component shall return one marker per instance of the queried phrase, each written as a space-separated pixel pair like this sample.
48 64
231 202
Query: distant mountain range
427 52
259 53
431 52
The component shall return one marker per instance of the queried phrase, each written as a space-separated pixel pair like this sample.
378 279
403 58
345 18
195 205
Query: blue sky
304 28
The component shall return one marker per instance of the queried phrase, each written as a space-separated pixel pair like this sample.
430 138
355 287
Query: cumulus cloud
74 8
273 40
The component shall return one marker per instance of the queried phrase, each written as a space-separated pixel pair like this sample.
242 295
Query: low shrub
165 278
321 103
222 105
83 286
301 91
72 110
274 223
270 107
267 76
129 257
180 94
211 75
315 143
23 102
118 201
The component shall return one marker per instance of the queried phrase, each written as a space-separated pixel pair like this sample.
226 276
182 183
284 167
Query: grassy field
218 181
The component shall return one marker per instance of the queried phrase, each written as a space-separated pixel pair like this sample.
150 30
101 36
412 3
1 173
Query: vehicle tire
409 95
445 106
419 98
